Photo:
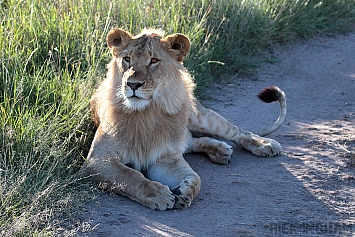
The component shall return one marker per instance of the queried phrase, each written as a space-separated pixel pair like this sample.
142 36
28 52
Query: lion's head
149 69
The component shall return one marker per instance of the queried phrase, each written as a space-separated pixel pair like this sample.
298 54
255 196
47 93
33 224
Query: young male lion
147 117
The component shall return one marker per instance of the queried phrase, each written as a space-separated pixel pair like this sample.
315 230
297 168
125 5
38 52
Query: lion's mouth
134 97
132 94
136 102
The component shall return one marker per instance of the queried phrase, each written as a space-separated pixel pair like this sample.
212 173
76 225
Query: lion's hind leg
218 151
209 122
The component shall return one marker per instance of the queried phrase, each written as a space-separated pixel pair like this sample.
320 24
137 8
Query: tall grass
53 53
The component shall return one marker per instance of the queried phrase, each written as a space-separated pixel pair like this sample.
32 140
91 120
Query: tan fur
146 114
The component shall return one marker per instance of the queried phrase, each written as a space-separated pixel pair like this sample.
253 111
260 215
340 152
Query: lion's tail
268 95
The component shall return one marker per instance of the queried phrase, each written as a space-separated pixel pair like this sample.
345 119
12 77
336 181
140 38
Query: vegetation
53 53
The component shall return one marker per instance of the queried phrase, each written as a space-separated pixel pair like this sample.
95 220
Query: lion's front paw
159 197
185 192
266 147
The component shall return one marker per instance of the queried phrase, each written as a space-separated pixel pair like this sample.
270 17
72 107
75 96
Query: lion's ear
178 45
117 39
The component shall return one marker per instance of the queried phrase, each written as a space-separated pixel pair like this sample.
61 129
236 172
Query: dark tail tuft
270 94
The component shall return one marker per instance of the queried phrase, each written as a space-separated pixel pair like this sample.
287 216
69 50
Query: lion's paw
221 153
161 198
184 194
267 148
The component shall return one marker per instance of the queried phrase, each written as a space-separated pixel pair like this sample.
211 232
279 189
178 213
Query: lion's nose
135 85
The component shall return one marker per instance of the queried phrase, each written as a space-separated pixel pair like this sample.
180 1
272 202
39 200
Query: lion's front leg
175 172
104 168
115 177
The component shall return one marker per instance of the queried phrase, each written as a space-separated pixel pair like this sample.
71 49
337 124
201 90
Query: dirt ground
308 190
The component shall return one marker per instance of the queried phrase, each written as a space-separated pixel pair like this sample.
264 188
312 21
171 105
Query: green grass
53 53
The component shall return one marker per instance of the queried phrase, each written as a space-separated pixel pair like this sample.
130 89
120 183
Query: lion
147 117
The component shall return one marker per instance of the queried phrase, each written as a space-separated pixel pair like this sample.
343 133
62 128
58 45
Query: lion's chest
143 138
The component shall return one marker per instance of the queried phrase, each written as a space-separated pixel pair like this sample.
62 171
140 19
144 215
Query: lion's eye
127 59
154 60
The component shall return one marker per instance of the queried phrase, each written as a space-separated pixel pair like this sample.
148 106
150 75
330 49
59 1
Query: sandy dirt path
308 190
